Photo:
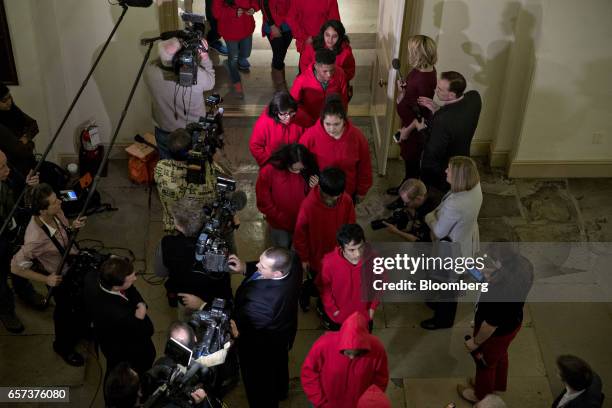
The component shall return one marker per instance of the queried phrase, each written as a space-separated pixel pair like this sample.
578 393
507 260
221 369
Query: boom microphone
395 63
136 3
166 36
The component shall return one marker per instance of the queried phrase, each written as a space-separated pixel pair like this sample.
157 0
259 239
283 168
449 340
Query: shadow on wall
116 73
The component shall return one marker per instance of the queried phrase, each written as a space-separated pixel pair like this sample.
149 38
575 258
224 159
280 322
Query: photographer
409 222
175 259
174 106
44 245
266 320
171 177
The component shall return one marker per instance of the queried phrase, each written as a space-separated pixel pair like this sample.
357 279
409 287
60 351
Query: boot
278 79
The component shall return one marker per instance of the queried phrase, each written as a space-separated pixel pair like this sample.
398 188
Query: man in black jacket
266 319
452 127
582 385
122 327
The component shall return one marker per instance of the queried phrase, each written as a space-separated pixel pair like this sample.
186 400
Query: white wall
55 43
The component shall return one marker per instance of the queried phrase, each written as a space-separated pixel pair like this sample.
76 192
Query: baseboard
499 159
479 148
560 169
118 153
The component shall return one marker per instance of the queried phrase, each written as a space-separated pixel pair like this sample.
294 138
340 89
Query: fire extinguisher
91 151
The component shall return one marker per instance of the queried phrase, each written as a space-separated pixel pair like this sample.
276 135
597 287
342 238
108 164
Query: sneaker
11 322
34 299
219 47
71 357
244 65
238 91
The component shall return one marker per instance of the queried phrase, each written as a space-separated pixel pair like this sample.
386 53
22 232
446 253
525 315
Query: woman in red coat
333 37
335 142
236 25
275 127
278 32
283 183
342 365
307 16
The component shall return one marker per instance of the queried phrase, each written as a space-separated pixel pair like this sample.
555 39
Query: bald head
4 169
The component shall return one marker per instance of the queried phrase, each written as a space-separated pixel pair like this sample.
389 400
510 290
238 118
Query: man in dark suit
452 127
266 320
122 327
582 385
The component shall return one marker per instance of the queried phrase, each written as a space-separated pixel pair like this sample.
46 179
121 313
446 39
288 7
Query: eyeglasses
286 114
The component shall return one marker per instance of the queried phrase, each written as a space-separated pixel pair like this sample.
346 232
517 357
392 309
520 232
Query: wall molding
560 169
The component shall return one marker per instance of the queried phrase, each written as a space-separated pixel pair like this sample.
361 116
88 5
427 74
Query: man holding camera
171 177
174 106
265 317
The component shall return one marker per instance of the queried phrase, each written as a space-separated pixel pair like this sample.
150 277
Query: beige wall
55 42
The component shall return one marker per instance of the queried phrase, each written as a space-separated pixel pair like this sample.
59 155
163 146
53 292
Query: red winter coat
279 10
279 195
307 16
268 135
310 95
350 153
344 60
331 379
339 284
230 26
374 397
317 224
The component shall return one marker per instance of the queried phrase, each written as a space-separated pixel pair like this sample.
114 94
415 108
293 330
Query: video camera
398 218
187 59
212 327
212 246
207 134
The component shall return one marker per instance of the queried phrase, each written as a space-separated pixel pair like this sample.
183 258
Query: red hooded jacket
268 135
230 26
317 224
333 380
339 284
344 60
307 16
310 95
350 153
279 196
374 397
278 10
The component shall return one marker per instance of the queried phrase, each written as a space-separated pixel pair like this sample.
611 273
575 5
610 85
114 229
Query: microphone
136 3
395 63
478 355
238 200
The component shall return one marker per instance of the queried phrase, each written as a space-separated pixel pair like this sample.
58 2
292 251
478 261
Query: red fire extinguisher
91 151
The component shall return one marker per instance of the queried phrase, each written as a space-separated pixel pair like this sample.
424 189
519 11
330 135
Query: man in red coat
326 208
312 87
339 282
342 365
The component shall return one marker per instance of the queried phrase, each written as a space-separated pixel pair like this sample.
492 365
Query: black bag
53 175
73 208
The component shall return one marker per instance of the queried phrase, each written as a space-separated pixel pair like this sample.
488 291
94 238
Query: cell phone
396 136
476 274
68 195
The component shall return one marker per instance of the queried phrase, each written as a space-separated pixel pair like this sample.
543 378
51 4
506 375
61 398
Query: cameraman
171 177
175 106
45 241
174 259
409 221
265 314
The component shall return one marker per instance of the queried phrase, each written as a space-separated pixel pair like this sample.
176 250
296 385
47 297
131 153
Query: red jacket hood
354 334
374 397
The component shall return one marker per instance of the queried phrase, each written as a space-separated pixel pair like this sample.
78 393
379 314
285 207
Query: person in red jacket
311 88
325 209
339 282
283 183
275 127
307 16
336 142
278 32
374 397
342 365
333 37
236 25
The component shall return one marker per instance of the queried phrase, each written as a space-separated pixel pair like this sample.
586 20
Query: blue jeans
161 139
238 50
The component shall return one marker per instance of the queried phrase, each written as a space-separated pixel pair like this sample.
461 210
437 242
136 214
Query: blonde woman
455 220
420 81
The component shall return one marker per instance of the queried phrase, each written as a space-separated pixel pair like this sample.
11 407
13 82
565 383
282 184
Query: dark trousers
494 377
264 365
70 322
21 286
279 49
213 34
444 313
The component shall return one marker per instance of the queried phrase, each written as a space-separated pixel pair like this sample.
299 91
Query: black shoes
71 357
11 322
395 205
34 299
430 324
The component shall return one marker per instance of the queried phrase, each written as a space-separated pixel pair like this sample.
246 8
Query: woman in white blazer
456 219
